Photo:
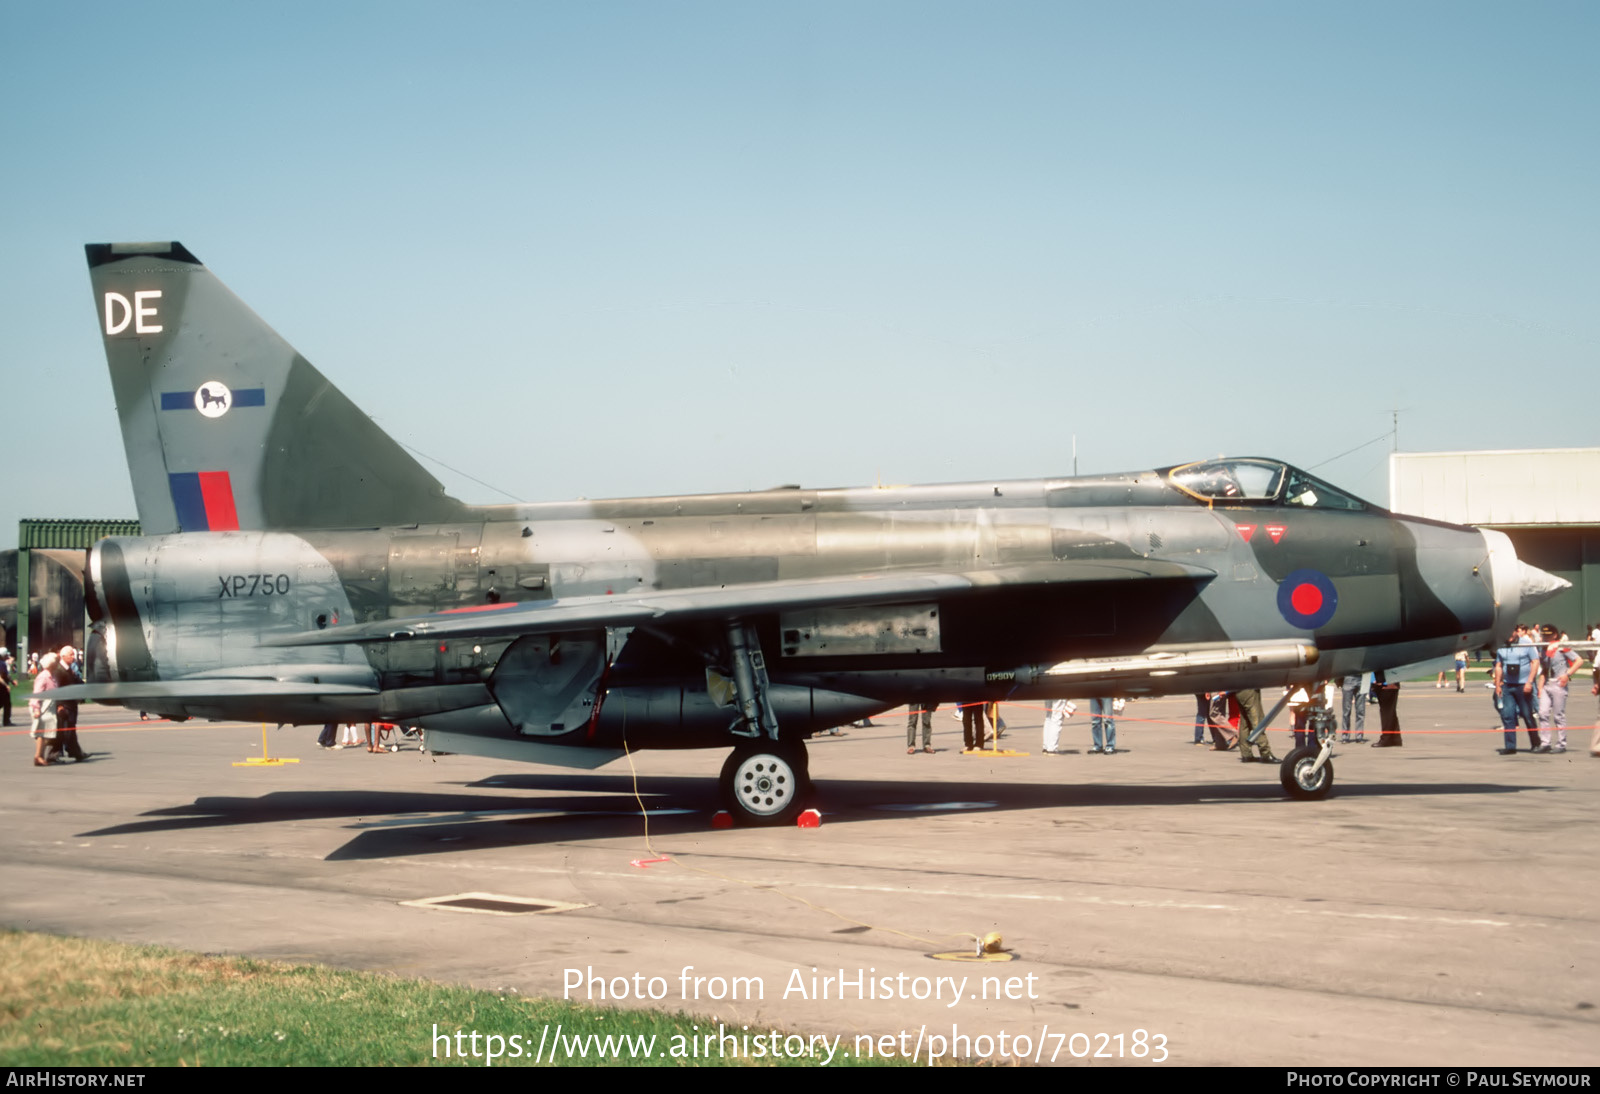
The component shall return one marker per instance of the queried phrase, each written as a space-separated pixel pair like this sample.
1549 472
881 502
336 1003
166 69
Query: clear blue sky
617 249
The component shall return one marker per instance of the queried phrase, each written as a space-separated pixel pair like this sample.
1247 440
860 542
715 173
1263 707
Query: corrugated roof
69 534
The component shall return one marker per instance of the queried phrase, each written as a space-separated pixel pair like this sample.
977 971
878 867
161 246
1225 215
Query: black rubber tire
1292 774
765 783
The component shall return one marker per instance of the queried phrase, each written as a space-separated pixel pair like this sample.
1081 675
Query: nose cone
1539 586
1517 585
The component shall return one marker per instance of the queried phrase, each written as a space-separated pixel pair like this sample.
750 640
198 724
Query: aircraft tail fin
225 425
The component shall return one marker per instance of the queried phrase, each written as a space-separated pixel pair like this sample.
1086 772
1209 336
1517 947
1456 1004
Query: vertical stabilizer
225 425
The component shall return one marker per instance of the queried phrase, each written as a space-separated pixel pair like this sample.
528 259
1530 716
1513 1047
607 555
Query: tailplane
225 425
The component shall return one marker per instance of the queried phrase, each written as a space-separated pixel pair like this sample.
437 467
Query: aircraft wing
733 601
192 690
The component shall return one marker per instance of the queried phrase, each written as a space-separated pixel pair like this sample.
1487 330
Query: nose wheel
766 782
1303 777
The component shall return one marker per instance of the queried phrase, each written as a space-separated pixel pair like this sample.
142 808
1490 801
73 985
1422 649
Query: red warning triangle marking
1245 531
1276 531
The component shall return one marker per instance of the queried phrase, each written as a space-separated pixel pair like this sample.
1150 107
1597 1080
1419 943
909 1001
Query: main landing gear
765 782
766 779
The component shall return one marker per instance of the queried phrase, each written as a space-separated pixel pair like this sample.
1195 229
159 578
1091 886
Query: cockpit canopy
1253 481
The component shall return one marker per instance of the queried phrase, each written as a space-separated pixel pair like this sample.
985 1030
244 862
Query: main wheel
765 782
1295 773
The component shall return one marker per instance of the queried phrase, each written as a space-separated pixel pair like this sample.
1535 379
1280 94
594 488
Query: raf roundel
213 398
1307 599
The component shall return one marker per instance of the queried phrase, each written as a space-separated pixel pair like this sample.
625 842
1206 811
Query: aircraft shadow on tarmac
550 808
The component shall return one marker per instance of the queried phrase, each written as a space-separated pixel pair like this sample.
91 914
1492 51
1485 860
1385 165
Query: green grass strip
80 1003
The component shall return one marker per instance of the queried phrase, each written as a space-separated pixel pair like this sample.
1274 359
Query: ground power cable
984 945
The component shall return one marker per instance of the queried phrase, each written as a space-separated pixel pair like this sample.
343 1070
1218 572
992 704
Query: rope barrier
1189 722
124 727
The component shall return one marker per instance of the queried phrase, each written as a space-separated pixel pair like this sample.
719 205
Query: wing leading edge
220 688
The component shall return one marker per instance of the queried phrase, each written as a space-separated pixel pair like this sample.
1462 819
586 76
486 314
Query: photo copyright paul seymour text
1461 1078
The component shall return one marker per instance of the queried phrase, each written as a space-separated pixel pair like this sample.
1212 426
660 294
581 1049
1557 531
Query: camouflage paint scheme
300 566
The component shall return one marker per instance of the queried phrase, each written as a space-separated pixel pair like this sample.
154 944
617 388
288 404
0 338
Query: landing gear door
548 684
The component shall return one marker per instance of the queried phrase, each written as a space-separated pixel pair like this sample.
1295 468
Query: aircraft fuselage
1402 590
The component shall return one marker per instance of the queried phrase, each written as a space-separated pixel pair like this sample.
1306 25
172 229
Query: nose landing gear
1307 772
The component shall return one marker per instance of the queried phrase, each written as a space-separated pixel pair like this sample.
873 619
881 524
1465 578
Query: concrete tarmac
1436 910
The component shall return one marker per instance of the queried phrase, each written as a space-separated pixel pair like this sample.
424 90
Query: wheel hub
1305 777
765 784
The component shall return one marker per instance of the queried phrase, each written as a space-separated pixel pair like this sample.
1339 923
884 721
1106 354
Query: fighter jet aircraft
299 566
